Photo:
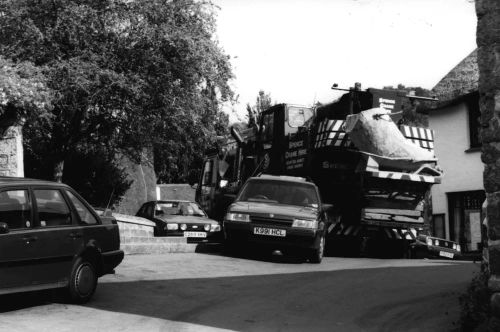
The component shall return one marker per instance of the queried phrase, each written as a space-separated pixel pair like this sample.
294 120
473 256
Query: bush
475 304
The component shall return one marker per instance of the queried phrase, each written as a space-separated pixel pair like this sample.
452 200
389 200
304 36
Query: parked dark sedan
279 212
50 237
181 218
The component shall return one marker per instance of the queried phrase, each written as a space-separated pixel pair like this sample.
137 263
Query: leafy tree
23 92
262 103
127 75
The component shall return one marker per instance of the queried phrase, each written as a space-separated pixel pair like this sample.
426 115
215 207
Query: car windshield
179 208
280 192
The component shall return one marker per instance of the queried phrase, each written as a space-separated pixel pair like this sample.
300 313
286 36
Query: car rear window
179 208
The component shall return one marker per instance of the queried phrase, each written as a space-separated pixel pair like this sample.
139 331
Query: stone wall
143 186
488 42
11 152
176 191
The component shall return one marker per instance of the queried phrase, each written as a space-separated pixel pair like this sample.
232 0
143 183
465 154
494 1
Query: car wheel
82 281
316 255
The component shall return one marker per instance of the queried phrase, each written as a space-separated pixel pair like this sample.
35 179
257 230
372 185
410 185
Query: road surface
205 292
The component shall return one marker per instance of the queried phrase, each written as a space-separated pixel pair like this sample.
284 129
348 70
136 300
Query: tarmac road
204 292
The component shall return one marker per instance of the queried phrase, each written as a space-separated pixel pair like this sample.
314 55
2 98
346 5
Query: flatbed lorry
375 171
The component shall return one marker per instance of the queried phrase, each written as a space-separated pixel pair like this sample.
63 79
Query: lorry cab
283 138
278 145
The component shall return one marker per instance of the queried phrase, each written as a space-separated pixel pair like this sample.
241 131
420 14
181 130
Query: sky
297 49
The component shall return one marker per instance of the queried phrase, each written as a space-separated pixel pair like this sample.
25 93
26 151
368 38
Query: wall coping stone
133 220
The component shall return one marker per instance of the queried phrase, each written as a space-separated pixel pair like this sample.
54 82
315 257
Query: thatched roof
460 81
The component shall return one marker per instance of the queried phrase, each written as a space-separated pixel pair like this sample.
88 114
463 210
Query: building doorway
465 218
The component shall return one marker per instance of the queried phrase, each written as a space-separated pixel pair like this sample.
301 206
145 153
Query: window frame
29 200
267 132
474 122
72 213
74 210
289 129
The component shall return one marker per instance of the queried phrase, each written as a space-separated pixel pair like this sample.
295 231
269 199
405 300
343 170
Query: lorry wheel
316 254
82 281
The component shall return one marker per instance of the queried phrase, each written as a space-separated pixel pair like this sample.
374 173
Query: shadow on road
251 252
377 299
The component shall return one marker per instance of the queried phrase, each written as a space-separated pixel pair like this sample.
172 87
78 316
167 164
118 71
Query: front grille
271 221
198 228
443 243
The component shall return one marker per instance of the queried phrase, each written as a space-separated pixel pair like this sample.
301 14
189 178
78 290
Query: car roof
282 178
24 181
172 200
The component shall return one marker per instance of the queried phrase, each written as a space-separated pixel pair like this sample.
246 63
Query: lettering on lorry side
387 104
294 145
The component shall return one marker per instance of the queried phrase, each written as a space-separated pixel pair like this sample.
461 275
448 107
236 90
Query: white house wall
463 171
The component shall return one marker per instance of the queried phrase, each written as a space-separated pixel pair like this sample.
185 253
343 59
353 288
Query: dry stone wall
488 42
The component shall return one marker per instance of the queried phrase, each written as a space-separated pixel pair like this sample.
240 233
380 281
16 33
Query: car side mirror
108 213
4 228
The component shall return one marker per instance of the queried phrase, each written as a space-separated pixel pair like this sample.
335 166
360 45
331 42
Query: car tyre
82 281
316 255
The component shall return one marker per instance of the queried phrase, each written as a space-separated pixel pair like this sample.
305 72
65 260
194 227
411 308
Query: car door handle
29 239
75 235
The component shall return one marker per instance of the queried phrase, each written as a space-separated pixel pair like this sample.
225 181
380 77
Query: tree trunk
58 171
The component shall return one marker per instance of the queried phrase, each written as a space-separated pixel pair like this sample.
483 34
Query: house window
474 120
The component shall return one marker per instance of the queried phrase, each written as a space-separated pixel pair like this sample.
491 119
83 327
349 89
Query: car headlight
458 248
238 217
454 246
206 227
436 243
305 223
172 227
429 241
214 228
183 227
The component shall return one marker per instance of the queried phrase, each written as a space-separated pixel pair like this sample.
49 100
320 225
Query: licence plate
446 254
269 231
195 234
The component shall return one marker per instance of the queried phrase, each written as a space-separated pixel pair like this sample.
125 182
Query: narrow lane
195 292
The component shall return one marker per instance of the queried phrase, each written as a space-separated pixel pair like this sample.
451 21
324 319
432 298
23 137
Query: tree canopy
262 102
23 92
126 75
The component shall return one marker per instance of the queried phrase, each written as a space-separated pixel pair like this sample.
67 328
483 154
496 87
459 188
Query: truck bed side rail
331 133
